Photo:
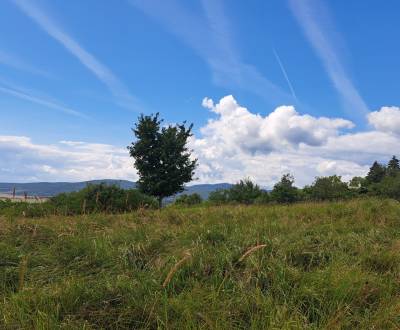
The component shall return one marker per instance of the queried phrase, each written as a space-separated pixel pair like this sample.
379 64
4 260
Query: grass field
332 266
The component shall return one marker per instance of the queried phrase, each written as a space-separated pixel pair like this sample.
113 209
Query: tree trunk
159 202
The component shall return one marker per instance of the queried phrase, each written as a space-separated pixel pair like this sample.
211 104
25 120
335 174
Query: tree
358 184
245 191
376 173
328 188
284 191
393 166
162 158
389 187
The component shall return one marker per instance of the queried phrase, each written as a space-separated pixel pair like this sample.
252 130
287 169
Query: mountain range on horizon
49 189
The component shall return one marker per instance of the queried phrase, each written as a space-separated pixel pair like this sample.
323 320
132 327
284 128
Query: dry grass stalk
252 250
84 207
23 266
206 320
175 268
126 199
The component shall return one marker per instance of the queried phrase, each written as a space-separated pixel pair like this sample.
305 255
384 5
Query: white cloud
102 72
238 143
235 144
387 119
238 129
22 160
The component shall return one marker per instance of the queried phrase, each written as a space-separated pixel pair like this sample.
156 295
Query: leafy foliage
376 173
245 192
92 199
161 156
284 191
328 188
189 200
393 167
102 198
219 196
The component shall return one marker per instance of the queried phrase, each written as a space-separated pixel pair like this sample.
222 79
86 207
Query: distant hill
48 189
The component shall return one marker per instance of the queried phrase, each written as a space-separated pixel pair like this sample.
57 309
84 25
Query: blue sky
82 72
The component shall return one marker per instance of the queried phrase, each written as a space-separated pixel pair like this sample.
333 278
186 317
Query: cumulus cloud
387 119
22 160
234 144
237 128
239 143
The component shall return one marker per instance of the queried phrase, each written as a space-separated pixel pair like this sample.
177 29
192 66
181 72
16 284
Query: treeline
381 180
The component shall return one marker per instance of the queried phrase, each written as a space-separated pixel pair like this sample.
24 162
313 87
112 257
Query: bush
263 198
219 196
388 187
101 198
327 188
191 199
284 191
93 198
245 191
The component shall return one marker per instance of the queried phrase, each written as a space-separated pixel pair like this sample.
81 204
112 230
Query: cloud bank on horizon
234 144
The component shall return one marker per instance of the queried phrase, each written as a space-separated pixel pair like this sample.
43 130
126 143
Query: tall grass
332 266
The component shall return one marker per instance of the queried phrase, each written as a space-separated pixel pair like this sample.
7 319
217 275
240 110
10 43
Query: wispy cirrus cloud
15 62
47 102
316 22
209 34
123 97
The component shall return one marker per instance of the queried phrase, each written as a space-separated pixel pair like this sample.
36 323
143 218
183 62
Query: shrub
388 187
219 196
284 191
263 198
93 198
191 199
245 191
101 198
327 188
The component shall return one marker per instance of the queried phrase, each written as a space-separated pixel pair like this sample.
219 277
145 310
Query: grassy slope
324 266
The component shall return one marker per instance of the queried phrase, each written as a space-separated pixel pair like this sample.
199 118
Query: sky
308 87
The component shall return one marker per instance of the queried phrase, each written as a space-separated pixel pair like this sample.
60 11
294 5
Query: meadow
305 266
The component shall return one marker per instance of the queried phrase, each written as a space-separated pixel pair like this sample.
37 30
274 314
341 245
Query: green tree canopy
376 173
245 191
393 166
328 188
284 191
162 158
